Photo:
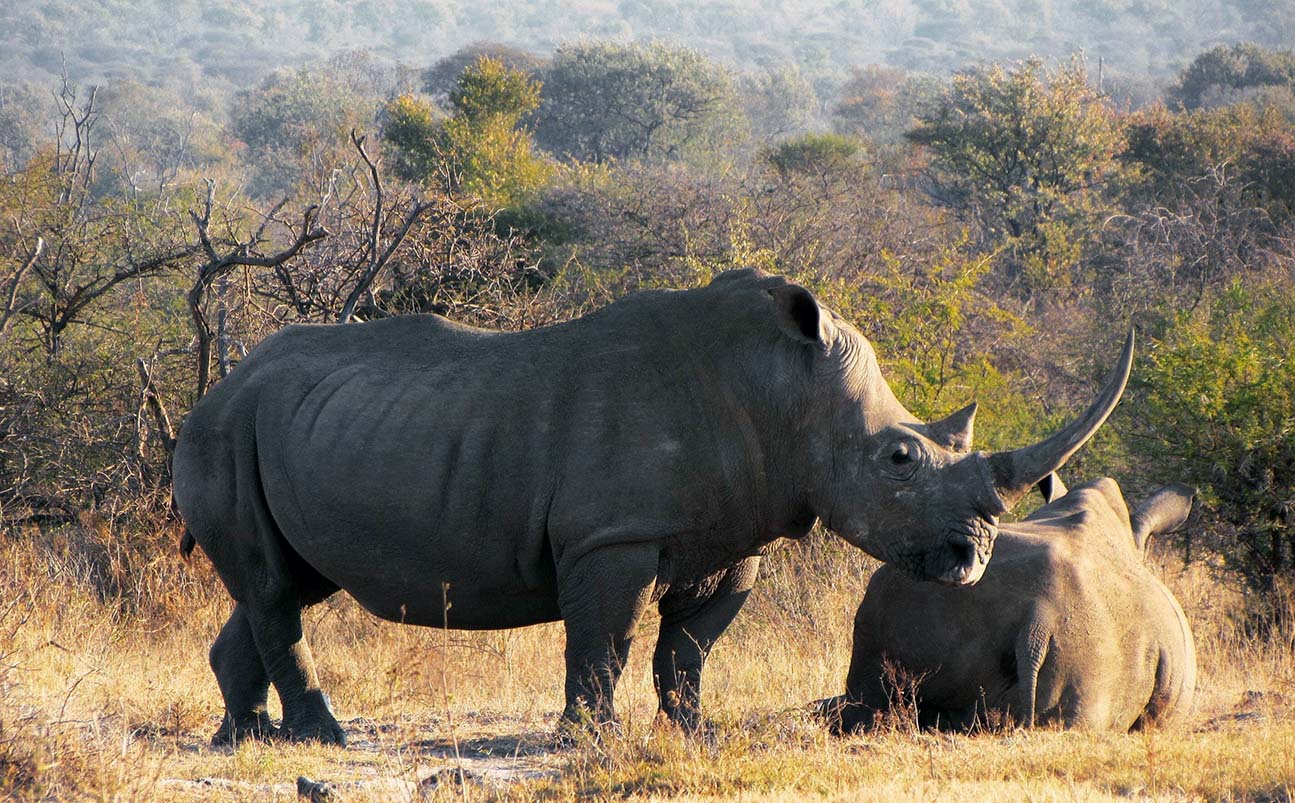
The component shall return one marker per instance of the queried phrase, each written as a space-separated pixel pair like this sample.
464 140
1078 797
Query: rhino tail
1165 511
187 543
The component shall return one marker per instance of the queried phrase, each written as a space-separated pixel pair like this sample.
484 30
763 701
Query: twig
165 432
377 261
241 254
11 306
445 688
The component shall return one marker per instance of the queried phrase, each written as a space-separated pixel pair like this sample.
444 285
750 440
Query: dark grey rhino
1068 625
644 454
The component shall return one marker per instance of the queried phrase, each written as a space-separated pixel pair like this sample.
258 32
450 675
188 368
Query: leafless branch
11 305
240 254
153 401
377 260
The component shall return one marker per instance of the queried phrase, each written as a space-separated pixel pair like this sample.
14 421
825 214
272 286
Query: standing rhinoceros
1066 625
644 454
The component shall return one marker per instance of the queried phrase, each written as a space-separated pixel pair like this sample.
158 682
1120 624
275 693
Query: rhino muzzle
962 559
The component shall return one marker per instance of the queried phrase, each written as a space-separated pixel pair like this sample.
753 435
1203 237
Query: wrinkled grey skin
645 454
1067 625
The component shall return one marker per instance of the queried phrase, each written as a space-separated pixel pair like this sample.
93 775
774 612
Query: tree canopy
609 101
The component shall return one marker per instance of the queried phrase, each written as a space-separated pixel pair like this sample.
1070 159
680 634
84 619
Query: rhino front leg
602 597
691 621
1032 646
866 694
290 666
244 684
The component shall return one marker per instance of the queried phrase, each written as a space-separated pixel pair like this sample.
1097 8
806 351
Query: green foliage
1256 146
20 125
297 116
625 102
1223 73
441 78
779 102
918 313
494 161
813 153
1216 399
74 313
489 89
154 139
482 150
411 129
1021 151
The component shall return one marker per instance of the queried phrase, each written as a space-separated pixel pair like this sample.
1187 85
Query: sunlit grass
107 696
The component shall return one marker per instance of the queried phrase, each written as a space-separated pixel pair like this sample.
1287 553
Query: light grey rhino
645 454
1067 625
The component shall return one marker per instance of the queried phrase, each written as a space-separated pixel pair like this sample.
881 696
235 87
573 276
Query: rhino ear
955 431
1164 512
799 314
1051 488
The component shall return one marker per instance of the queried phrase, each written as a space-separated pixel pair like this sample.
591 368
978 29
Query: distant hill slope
226 44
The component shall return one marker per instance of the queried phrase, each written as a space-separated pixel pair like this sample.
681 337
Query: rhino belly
408 504
432 575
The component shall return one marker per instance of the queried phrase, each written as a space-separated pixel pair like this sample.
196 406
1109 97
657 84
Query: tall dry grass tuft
75 693
105 694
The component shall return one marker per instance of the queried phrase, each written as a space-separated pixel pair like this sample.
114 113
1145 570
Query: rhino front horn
1016 472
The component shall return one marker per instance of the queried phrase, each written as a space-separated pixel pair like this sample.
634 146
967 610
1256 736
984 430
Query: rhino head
910 493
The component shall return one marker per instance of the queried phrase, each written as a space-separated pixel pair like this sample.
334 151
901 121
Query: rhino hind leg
602 597
279 637
244 684
691 622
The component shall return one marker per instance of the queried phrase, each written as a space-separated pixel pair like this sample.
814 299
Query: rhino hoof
585 730
236 730
690 725
312 720
837 713
321 731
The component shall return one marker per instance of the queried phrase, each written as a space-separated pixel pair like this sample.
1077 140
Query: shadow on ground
394 761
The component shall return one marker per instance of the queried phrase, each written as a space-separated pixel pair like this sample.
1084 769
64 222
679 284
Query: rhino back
404 453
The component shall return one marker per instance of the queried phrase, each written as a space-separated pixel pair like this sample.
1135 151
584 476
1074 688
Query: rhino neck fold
741 433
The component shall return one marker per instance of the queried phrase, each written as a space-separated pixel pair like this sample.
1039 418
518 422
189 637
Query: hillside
225 44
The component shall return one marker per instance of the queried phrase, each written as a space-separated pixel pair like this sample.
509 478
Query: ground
105 695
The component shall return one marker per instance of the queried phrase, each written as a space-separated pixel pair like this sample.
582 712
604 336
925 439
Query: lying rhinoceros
1066 625
645 454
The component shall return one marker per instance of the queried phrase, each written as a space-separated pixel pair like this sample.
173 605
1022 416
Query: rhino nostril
964 552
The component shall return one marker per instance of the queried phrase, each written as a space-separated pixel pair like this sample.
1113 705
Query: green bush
1215 403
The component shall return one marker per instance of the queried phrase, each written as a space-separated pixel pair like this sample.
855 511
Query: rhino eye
901 456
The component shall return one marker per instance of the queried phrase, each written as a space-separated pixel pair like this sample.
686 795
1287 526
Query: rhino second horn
1017 471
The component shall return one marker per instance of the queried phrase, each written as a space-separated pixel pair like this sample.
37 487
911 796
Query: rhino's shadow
525 745
517 741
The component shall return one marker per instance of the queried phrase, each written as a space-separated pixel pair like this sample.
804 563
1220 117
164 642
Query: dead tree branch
377 258
152 400
239 254
11 306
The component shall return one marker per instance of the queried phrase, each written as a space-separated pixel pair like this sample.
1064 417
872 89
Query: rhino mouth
962 558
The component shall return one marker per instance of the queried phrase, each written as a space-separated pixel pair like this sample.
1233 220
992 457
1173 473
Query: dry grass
105 695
